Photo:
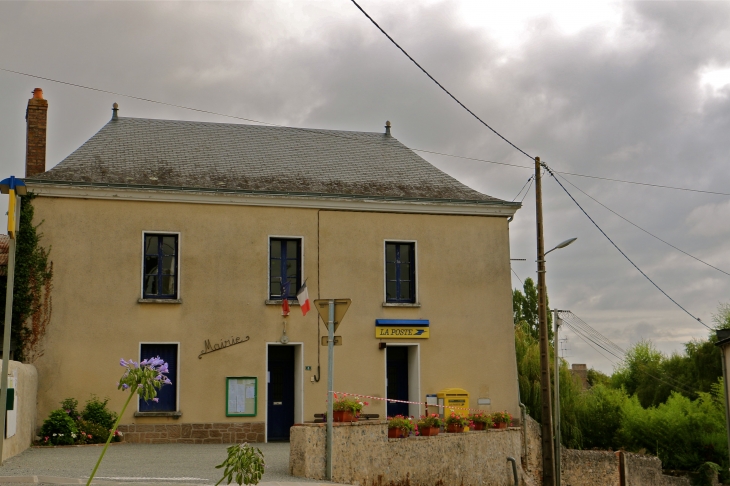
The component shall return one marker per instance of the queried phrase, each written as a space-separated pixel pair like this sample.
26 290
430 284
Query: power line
644 183
622 253
588 333
518 194
586 340
518 277
437 83
340 135
645 231
528 190
582 325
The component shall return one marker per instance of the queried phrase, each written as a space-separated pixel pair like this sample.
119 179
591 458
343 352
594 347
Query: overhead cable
622 253
588 333
437 83
645 231
343 136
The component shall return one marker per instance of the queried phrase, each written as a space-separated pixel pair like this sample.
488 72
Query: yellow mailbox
454 400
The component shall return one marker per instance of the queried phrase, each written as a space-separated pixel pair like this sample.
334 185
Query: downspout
523 408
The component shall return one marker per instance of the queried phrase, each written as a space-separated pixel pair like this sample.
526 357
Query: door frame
298 383
177 385
414 376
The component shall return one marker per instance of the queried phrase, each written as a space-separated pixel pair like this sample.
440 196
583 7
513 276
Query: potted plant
480 421
429 424
455 423
501 420
399 426
345 409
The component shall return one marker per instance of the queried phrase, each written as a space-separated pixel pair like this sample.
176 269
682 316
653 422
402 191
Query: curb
72 445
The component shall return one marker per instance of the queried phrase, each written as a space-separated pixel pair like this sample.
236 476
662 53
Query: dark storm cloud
621 101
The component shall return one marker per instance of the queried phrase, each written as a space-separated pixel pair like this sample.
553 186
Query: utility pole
548 445
556 347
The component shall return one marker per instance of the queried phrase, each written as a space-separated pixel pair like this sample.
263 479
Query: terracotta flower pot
500 425
396 433
454 428
428 431
479 426
343 416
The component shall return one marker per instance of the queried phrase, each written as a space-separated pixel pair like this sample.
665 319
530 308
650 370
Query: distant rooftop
168 153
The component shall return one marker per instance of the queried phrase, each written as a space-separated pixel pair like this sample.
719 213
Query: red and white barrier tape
405 401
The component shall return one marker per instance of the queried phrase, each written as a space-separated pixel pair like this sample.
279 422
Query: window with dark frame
400 272
160 266
285 264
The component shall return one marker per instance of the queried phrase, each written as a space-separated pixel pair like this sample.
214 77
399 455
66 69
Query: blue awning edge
402 322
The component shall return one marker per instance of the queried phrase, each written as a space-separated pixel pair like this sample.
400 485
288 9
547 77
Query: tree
722 318
524 306
641 373
32 287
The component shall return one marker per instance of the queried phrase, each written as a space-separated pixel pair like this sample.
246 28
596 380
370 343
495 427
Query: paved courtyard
140 464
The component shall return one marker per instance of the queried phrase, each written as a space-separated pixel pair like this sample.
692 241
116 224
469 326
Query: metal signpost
334 310
14 188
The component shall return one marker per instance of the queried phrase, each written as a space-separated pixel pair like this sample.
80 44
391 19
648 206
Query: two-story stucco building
172 238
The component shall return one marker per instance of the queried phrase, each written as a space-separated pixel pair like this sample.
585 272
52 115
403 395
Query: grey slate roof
187 154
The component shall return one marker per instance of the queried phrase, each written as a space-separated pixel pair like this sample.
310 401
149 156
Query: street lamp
14 188
562 245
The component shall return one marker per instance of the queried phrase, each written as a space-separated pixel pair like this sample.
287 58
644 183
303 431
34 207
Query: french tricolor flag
303 298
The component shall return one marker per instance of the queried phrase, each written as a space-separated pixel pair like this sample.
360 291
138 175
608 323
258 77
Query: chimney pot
36 116
115 109
387 129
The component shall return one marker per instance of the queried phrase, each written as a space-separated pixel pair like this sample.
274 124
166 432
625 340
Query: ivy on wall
32 288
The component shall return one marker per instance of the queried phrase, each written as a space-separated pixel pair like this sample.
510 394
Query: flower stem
111 434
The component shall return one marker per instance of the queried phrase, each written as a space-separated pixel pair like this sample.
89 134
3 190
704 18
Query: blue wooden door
397 374
167 395
280 407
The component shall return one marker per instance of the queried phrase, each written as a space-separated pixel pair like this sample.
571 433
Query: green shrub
98 433
599 416
95 411
71 405
59 429
683 433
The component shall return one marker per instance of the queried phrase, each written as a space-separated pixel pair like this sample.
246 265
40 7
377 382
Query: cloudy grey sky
633 91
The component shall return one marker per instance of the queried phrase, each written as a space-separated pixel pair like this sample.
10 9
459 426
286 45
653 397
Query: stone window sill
278 302
401 304
174 415
159 301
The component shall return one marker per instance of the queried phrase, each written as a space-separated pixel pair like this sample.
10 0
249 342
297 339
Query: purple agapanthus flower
145 377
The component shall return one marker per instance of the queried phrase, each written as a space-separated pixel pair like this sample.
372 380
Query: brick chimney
35 144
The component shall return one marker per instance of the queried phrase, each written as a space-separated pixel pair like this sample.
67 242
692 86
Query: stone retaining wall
212 433
599 468
590 468
363 455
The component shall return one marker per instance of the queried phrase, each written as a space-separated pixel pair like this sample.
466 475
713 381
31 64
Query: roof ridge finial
387 129
115 109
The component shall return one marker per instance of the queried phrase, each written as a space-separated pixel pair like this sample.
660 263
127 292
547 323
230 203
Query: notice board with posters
241 396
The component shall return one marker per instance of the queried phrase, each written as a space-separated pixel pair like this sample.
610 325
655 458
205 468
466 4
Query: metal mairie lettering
224 343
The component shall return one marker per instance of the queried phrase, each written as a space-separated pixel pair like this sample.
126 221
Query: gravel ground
180 464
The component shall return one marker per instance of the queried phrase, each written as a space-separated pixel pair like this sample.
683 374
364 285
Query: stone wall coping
343 424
